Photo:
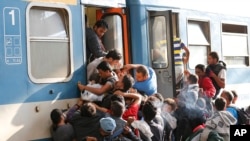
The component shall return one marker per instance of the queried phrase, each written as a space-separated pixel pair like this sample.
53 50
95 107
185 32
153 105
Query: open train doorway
116 37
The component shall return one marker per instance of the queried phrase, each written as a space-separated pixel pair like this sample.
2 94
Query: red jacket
208 88
132 111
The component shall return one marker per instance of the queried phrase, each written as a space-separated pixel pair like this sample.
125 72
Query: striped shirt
178 46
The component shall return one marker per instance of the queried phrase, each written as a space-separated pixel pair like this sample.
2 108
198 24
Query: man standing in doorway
94 46
216 70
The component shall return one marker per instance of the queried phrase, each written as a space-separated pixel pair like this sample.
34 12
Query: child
220 121
93 82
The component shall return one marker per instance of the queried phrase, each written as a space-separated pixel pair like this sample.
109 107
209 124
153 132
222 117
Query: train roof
105 3
236 8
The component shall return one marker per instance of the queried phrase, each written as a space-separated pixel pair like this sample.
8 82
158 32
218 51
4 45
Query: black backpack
243 117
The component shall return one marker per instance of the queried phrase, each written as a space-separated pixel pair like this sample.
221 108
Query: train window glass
113 37
198 33
44 19
237 61
49 44
159 48
230 28
200 58
198 42
235 45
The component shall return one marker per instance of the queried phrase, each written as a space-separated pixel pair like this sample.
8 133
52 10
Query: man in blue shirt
229 98
145 79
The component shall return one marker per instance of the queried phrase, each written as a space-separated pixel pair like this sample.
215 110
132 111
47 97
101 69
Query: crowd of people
117 105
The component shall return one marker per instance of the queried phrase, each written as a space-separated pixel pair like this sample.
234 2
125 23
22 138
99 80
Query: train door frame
121 12
165 71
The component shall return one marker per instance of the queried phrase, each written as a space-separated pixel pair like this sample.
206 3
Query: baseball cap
108 124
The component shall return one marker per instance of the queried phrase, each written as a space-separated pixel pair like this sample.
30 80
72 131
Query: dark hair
101 23
220 103
201 67
143 70
154 100
127 81
105 66
193 78
234 93
88 110
229 95
214 55
149 111
119 98
117 108
114 54
95 77
55 116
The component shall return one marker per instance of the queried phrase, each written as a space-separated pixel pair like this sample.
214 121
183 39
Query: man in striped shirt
180 59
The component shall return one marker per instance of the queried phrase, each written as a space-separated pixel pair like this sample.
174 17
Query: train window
235 45
112 38
159 48
198 42
200 58
49 47
230 28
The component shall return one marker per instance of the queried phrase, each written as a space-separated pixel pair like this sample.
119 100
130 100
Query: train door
117 34
161 41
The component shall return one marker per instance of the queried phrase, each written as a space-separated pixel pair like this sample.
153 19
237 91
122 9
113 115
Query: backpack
216 69
243 117
210 135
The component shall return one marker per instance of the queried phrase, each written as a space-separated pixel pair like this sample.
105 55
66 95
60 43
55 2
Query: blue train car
42 54
42 60
203 27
